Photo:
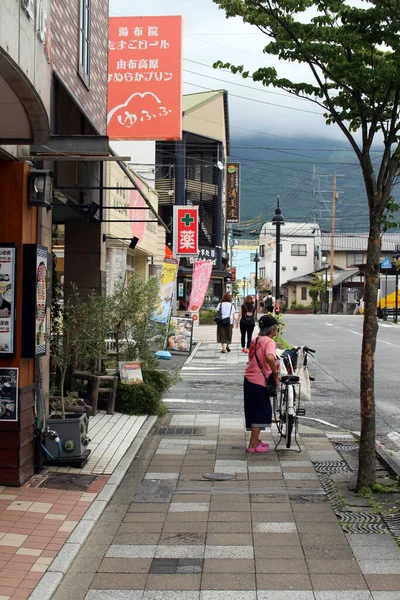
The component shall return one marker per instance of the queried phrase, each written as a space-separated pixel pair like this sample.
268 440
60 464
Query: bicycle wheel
279 409
290 418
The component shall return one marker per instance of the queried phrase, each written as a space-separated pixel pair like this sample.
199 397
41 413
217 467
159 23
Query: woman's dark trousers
246 330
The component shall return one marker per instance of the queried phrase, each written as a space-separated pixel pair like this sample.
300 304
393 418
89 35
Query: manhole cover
304 499
172 566
331 466
179 431
360 522
219 476
68 481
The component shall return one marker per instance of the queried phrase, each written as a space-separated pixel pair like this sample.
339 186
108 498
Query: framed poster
8 255
35 278
180 335
8 394
130 372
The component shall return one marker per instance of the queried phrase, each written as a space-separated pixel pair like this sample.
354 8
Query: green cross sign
187 220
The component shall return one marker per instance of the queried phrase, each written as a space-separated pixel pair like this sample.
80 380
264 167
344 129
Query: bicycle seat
290 379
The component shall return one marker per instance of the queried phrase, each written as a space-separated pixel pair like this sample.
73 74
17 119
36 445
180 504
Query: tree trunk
366 464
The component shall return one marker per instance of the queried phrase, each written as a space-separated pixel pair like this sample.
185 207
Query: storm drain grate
179 431
174 566
346 447
328 467
331 493
305 499
393 524
360 522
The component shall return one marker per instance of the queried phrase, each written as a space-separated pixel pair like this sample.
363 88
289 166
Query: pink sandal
263 444
259 448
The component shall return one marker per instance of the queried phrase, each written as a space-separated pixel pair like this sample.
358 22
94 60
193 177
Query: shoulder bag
270 381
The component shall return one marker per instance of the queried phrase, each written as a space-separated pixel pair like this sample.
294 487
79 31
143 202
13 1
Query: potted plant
76 341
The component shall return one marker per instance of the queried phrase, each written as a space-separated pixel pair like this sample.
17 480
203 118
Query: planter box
305 311
72 434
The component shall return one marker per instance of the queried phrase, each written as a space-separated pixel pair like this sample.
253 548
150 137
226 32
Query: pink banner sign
201 278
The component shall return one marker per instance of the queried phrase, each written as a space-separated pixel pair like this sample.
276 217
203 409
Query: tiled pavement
269 534
35 522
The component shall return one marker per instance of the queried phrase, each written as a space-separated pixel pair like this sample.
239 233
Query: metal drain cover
173 566
179 431
347 447
219 476
68 481
393 524
331 466
360 522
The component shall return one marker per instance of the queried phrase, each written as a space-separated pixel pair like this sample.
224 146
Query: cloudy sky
209 36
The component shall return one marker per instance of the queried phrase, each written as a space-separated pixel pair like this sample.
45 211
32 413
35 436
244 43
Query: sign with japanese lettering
186 230
8 394
169 272
7 299
145 78
204 254
201 278
131 373
233 193
34 308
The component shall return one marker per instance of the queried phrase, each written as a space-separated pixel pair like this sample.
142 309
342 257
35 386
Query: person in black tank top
247 322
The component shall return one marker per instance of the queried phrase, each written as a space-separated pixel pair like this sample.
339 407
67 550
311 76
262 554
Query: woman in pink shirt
257 404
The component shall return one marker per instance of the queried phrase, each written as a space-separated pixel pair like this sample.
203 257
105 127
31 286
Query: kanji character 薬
187 241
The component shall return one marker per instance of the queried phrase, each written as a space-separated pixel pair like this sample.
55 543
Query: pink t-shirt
265 345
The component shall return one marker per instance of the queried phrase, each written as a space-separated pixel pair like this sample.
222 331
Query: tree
317 290
352 53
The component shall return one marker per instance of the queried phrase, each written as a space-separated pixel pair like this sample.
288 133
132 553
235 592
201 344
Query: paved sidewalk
268 534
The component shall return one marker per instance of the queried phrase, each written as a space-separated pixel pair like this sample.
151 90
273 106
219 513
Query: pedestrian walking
226 312
247 322
258 382
269 303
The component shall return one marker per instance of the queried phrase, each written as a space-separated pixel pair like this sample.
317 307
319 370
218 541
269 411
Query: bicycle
286 406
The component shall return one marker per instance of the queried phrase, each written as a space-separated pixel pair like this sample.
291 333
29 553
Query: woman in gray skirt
224 333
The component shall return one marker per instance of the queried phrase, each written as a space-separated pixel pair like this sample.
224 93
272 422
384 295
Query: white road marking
319 421
330 324
355 332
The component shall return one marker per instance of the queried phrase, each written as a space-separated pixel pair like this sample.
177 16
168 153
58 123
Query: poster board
7 299
131 372
35 299
180 335
8 394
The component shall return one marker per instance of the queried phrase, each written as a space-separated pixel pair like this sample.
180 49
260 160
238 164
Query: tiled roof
357 242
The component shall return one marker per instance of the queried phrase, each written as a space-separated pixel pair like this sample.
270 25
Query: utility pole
332 253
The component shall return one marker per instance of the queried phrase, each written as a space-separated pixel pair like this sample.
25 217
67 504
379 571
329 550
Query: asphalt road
216 386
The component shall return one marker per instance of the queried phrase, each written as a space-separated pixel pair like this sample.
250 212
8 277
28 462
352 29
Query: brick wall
65 55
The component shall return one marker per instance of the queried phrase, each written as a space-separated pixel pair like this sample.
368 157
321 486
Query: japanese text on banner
201 278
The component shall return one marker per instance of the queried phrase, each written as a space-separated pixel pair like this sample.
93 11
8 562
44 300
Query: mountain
301 173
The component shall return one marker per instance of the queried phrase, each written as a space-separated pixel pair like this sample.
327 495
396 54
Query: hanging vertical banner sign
201 279
165 291
233 193
34 301
186 230
7 299
145 78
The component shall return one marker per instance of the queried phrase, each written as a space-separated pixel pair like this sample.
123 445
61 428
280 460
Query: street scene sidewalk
273 527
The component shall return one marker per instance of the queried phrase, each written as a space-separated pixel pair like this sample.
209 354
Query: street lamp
256 261
244 287
278 220
324 261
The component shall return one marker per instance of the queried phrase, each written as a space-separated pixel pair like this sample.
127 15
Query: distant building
351 248
300 251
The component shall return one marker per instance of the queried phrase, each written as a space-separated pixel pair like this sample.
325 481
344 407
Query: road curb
390 463
193 354
64 559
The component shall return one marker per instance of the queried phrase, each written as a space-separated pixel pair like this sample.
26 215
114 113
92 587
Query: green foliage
295 306
129 311
235 289
207 316
139 399
161 379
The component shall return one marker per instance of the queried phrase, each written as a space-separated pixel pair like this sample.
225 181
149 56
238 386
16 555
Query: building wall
65 56
207 120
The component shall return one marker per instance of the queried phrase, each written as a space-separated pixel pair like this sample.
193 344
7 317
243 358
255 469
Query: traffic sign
386 264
